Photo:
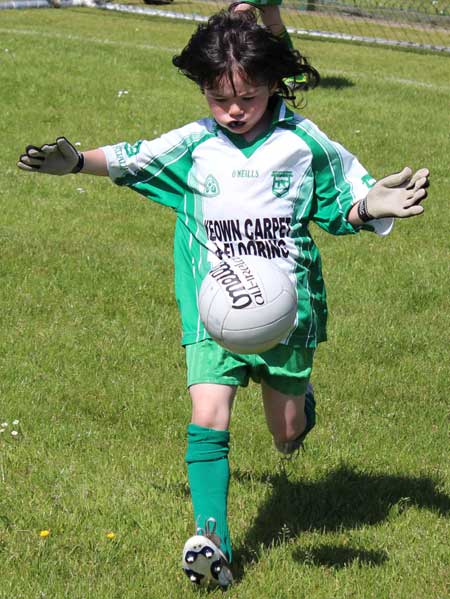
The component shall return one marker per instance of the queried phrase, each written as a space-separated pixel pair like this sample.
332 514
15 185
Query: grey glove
60 158
396 195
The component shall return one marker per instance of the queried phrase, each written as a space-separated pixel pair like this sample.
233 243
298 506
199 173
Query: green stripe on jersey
312 312
331 184
164 178
191 214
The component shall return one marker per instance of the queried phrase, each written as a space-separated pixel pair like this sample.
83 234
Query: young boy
254 167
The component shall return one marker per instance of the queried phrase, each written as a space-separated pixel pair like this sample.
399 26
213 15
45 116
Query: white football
247 304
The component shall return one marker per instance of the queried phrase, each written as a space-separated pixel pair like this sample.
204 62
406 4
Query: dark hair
233 41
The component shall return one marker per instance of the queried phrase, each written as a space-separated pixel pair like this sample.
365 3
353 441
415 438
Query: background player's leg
270 15
272 19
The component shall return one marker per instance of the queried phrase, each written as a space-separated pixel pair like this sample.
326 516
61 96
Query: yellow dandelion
44 534
110 535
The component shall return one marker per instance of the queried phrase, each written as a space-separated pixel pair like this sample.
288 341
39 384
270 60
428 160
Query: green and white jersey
233 198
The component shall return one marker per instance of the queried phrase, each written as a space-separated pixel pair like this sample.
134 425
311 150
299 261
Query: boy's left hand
398 195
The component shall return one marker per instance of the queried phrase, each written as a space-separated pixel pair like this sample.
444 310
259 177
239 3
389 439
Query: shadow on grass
346 499
334 556
335 82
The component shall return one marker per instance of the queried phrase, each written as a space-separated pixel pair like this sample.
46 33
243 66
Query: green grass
90 362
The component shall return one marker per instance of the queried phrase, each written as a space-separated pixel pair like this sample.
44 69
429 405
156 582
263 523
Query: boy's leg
289 417
208 473
207 456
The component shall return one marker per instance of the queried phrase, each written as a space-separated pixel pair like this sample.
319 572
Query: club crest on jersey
281 183
369 180
211 188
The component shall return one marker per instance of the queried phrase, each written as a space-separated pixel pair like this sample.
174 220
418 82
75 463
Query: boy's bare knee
211 405
215 421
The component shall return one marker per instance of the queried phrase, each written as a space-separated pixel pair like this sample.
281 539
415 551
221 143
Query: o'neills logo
239 283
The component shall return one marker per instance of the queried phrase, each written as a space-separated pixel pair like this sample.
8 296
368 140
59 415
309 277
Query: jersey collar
281 113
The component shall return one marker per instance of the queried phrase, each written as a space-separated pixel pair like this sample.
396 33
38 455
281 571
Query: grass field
90 363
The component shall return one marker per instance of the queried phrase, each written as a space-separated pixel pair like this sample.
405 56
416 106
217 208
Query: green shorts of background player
245 98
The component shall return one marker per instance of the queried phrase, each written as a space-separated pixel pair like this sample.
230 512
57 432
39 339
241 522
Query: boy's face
241 107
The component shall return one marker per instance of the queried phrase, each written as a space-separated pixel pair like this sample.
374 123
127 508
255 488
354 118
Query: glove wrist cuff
363 212
79 165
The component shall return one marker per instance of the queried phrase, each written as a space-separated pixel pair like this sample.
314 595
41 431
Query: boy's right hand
59 158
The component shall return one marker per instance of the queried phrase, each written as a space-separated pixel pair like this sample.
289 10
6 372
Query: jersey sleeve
339 182
157 169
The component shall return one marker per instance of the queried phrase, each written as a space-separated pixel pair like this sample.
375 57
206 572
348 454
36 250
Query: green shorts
284 368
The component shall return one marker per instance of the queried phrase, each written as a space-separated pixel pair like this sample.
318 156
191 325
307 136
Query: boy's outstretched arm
62 158
397 195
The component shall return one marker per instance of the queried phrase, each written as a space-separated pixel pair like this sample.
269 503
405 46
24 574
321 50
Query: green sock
209 475
284 35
